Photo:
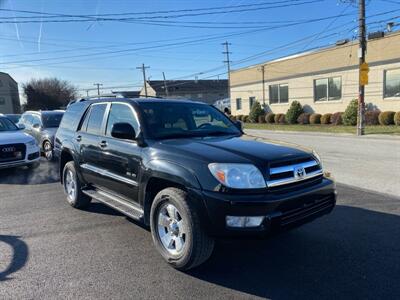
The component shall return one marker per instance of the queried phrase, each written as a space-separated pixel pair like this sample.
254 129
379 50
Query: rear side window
95 118
72 116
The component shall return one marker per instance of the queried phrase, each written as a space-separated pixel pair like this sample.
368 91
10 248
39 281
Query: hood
244 149
49 133
14 137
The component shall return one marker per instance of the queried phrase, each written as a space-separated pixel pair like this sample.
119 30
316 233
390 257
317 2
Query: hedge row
295 114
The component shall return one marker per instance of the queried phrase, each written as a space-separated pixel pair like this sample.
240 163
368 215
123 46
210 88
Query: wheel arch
160 175
65 157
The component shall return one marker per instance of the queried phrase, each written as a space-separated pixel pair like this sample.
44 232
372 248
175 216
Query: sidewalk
369 162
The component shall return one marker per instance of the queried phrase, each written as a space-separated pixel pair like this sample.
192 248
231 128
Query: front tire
72 187
177 231
48 151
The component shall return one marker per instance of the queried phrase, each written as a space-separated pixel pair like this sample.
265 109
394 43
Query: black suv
187 171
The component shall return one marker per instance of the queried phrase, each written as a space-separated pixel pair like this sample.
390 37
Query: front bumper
280 210
32 155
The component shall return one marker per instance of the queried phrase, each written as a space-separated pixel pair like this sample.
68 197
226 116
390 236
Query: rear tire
72 187
177 231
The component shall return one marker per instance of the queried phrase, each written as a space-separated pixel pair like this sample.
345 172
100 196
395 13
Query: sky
113 37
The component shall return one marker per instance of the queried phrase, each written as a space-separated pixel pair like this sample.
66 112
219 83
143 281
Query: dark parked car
42 125
188 172
13 117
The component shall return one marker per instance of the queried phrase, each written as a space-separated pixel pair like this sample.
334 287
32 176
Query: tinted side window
72 116
121 113
95 118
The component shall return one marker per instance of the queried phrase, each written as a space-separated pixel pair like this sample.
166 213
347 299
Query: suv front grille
12 152
283 174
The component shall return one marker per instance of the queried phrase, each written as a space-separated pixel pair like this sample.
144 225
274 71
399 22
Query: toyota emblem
299 172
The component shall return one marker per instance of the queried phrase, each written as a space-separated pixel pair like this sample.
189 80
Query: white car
16 147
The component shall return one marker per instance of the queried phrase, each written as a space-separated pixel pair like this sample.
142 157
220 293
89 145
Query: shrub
282 119
350 114
326 119
386 118
336 118
294 111
372 117
304 118
233 118
315 119
239 117
270 118
261 118
277 117
245 119
397 118
255 112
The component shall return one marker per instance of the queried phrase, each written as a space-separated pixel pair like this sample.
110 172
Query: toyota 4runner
187 171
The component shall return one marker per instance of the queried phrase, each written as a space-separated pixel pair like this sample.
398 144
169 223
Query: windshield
51 119
7 125
174 120
14 118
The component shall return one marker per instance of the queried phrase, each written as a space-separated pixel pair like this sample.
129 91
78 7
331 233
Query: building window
328 89
392 83
278 93
2 101
252 100
238 103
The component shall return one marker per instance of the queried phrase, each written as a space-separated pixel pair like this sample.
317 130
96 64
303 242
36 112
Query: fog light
243 221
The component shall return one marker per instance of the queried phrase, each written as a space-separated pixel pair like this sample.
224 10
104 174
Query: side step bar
116 203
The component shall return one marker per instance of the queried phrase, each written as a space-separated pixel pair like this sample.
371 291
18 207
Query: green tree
48 93
350 114
294 111
255 112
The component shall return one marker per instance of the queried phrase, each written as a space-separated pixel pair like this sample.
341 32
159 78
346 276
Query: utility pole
143 68
263 85
87 93
361 55
228 64
98 88
165 85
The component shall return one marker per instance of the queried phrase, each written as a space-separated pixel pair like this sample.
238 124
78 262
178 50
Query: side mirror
123 131
239 125
21 126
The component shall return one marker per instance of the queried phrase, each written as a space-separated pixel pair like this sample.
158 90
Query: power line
90 18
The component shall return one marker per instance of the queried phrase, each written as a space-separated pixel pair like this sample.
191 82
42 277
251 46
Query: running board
116 203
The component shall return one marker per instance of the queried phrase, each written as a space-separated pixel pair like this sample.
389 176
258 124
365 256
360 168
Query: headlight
31 143
238 176
317 157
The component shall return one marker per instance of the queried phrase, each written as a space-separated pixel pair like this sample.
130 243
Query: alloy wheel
171 229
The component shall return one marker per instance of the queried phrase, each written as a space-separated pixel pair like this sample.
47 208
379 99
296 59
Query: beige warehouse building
323 81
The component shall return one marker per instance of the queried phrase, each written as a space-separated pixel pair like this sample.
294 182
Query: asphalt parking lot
50 251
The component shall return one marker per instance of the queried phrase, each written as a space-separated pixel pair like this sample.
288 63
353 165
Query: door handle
78 138
103 144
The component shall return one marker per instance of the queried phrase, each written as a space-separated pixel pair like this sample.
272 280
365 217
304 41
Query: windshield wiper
218 133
